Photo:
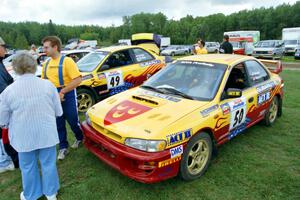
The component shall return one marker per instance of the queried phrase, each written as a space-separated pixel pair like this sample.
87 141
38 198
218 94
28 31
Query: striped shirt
29 108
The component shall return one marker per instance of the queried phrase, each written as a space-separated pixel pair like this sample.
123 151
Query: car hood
140 113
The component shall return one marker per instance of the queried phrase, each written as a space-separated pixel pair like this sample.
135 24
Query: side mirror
233 93
104 67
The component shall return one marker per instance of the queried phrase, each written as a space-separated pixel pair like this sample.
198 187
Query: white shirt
29 108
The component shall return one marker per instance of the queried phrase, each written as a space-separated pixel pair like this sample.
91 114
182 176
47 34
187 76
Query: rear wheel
196 157
173 54
272 112
85 99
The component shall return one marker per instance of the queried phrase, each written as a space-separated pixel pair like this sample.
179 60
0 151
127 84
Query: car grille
261 52
107 132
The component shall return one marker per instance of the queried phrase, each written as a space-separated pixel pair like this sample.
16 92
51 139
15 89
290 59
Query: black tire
186 52
272 112
173 54
191 155
85 99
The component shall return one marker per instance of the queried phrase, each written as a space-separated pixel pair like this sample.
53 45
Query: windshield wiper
176 92
151 88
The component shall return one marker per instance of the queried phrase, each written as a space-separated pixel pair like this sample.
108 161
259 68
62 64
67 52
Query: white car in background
76 55
212 47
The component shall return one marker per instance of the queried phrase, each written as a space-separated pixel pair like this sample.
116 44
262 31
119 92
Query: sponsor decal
162 96
238 111
206 112
101 76
239 129
152 62
179 137
225 108
176 151
263 97
123 111
237 104
262 112
168 162
197 63
265 87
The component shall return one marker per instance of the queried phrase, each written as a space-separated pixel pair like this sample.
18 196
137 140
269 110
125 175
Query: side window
142 55
257 73
119 59
237 78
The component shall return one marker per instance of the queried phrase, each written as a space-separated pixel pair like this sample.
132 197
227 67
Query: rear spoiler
275 66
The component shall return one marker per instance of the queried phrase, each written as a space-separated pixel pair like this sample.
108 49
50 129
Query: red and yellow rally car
173 122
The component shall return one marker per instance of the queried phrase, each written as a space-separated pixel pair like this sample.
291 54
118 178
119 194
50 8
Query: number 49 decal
114 79
238 112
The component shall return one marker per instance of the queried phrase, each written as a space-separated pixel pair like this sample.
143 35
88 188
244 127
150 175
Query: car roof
227 59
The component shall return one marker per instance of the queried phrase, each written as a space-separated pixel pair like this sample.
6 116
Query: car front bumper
141 166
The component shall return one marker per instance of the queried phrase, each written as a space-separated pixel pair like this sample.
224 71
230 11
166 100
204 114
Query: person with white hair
29 107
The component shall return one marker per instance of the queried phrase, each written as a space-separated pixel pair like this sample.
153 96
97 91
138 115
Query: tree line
269 21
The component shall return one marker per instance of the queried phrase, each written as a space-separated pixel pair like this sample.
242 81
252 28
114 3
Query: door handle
250 100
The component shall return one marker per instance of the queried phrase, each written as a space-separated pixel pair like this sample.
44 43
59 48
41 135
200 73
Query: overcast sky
108 12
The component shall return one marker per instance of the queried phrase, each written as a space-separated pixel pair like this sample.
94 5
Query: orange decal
123 111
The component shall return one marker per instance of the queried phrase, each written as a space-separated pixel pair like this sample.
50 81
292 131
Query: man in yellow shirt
64 74
199 48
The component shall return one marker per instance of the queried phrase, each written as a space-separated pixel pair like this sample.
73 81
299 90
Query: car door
147 65
113 71
236 112
262 85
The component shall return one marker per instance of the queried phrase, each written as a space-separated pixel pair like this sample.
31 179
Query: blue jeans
35 185
70 114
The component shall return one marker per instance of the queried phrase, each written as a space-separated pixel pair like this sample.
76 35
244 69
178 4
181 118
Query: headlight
87 119
146 145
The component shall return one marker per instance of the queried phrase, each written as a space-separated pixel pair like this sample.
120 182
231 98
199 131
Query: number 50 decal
238 113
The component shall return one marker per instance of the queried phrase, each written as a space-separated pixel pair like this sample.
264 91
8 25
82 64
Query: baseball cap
2 43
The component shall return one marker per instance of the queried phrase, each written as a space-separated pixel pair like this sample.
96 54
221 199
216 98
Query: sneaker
76 144
22 197
62 154
9 167
52 197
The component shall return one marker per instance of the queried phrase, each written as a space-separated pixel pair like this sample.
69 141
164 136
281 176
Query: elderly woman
29 108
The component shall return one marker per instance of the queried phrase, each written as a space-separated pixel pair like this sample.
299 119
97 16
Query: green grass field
261 163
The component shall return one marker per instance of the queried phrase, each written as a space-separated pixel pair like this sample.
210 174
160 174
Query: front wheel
85 99
272 112
196 157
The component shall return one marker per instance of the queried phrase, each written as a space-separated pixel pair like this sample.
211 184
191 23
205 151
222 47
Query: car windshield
266 44
89 62
188 79
288 42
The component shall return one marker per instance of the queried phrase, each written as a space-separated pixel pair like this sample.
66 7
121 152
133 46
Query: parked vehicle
175 50
297 52
291 38
173 123
108 71
212 47
269 49
243 41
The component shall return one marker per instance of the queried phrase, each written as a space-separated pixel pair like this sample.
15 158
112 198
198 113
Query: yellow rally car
173 123
111 70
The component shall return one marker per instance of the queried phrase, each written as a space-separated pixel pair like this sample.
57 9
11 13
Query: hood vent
145 100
